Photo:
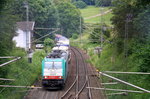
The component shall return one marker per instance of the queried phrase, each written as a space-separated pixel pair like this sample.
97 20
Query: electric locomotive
55 65
54 70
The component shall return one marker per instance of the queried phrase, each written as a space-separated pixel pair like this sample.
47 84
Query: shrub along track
80 76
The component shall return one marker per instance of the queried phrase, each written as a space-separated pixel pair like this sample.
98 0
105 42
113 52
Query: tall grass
23 72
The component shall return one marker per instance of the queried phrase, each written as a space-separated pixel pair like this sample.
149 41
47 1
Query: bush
75 36
80 4
25 74
48 42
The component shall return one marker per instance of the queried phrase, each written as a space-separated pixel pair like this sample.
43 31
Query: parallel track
81 80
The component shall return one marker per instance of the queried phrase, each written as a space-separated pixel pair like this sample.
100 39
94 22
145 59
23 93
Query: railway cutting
80 76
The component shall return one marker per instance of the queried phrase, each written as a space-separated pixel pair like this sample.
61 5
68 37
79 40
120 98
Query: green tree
48 42
103 2
49 14
121 10
142 23
43 12
7 26
69 19
80 4
75 36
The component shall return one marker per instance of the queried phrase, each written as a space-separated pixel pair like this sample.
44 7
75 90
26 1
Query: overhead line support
124 82
117 72
10 61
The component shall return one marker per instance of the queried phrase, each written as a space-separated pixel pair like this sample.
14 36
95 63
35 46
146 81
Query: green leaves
80 4
48 42
142 23
69 18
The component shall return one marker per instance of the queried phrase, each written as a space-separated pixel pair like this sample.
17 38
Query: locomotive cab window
58 65
53 65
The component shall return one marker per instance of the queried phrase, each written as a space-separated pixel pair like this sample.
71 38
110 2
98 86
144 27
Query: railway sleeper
70 95
84 95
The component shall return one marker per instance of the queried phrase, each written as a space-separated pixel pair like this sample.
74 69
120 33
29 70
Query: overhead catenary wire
98 40
45 35
91 31
38 28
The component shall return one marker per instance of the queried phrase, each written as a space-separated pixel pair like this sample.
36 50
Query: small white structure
24 34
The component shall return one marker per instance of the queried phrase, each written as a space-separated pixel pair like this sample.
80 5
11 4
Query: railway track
79 84
80 76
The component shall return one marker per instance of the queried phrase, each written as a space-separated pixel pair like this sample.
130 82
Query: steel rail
86 80
79 92
96 79
90 93
69 89
75 81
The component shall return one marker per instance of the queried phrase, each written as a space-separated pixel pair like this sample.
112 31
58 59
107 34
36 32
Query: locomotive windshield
53 65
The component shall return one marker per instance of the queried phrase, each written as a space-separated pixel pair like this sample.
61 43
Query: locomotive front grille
52 82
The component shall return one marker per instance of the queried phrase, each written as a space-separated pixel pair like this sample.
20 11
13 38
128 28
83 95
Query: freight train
55 67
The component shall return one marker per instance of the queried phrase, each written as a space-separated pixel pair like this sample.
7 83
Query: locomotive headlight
60 76
46 77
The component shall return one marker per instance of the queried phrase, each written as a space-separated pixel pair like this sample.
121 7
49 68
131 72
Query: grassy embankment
92 11
113 60
23 72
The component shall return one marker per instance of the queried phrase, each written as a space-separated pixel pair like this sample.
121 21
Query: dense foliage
95 36
137 29
48 14
80 4
48 42
24 74
122 9
69 18
88 2
103 2
74 36
96 2
7 26
45 13
128 49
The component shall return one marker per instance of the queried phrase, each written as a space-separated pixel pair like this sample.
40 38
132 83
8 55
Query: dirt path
98 14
